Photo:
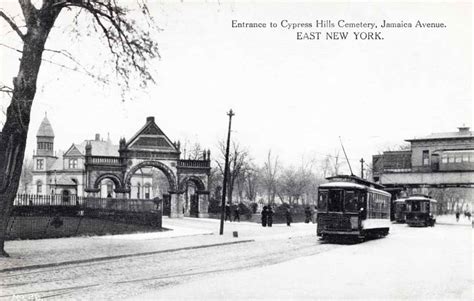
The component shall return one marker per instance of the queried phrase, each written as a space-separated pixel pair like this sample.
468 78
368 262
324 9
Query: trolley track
122 275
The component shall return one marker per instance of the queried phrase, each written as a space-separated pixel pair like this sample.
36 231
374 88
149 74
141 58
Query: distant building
146 166
437 161
64 173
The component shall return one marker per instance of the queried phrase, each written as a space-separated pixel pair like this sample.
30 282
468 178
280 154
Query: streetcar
400 208
421 211
354 207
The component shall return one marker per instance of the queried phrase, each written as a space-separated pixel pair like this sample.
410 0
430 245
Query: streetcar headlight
354 222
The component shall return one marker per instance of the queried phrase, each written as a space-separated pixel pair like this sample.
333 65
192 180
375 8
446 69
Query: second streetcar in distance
400 208
351 206
421 211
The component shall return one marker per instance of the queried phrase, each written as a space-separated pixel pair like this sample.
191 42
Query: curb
97 259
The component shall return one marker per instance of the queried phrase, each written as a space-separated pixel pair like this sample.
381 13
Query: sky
293 97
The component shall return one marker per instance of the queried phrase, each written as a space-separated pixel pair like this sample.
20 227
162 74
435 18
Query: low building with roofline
439 164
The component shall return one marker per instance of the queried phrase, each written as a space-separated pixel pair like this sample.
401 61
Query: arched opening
107 188
191 200
107 184
152 180
191 186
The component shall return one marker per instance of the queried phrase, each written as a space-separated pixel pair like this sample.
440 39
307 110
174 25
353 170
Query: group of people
466 214
267 216
228 213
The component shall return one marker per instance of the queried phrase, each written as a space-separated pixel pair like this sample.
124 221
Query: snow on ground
411 263
186 232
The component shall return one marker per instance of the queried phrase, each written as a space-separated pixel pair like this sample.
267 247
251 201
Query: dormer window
39 164
72 163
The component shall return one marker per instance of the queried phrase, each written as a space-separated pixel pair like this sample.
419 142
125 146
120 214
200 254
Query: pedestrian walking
227 212
457 216
264 216
237 214
307 214
288 216
270 216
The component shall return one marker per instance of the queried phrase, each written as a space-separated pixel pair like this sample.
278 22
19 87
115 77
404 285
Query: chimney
150 119
97 137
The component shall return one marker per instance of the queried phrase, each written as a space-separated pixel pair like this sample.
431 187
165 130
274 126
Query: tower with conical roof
45 139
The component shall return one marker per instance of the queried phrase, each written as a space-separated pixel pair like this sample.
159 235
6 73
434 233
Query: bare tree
130 46
298 184
247 182
331 164
269 176
237 161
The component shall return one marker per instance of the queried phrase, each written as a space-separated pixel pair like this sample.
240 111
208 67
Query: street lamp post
226 171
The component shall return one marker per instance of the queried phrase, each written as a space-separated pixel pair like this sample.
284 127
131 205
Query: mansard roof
151 137
45 129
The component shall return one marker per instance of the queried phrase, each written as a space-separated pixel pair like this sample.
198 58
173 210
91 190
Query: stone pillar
203 203
176 210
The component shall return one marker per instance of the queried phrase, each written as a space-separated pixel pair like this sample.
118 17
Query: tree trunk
15 129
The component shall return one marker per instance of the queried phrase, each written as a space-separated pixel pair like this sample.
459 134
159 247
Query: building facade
435 164
146 166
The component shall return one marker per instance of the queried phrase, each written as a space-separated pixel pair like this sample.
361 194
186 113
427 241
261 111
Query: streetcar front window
415 207
351 201
335 201
323 201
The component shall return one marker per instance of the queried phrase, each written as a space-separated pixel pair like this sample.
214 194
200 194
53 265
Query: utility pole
226 171
362 167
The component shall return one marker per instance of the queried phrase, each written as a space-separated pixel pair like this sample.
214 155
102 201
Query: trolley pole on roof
226 171
361 168
348 163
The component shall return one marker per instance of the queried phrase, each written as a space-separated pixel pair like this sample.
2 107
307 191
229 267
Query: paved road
275 257
129 277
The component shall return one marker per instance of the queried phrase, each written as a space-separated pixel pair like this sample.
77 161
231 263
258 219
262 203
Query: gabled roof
64 180
73 151
45 129
151 137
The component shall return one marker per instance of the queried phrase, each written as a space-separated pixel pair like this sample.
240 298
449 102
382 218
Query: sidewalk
450 219
184 233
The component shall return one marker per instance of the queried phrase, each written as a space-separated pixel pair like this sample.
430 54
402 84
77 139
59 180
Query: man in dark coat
289 219
237 213
307 214
264 216
270 216
227 213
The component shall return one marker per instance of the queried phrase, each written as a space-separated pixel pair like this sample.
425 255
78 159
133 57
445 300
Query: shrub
254 207
214 206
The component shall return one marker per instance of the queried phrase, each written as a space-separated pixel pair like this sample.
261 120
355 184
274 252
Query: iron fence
140 211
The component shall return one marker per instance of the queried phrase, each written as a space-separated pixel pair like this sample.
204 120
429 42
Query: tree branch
12 25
